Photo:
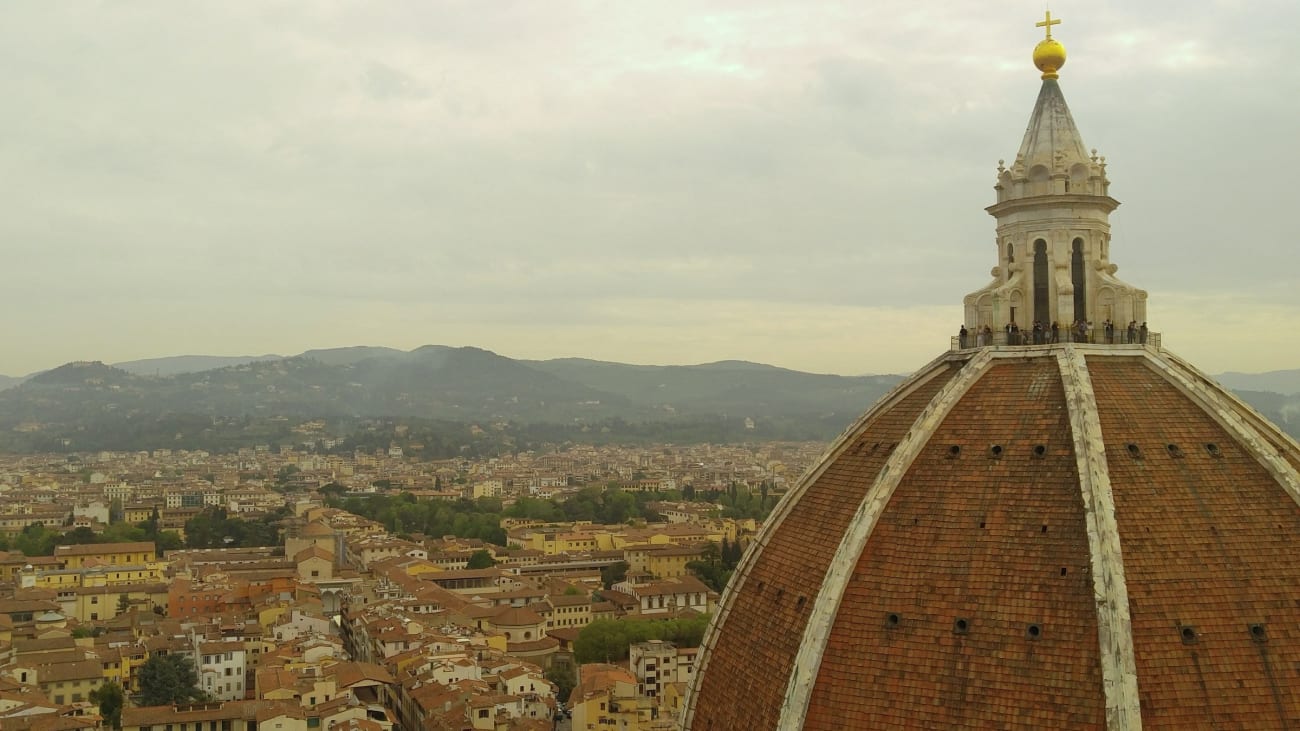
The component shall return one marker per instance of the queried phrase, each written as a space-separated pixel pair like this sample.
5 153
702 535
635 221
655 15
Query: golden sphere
1049 57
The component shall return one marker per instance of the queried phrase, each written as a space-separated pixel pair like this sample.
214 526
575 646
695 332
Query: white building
221 668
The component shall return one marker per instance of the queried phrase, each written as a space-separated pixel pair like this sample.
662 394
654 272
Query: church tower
1081 532
1053 233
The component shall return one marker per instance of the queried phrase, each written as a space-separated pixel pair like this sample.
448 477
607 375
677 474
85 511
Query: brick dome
1058 527
1054 536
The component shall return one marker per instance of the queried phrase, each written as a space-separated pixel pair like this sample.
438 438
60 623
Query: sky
798 183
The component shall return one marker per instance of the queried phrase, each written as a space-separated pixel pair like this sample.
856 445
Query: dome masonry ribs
1104 586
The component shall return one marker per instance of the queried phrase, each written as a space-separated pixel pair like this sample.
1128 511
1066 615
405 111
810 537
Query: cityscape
880 489
283 604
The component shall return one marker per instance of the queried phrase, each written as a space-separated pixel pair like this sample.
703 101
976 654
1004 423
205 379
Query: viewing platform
1023 338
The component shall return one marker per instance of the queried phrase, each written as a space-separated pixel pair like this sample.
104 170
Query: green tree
608 640
123 603
36 540
169 540
711 568
613 574
169 679
79 536
122 533
110 697
480 559
150 526
562 674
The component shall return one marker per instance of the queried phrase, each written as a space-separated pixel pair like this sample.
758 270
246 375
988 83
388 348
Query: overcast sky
799 183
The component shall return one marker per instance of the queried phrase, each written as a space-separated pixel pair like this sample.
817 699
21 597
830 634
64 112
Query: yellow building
662 561
64 682
99 603
606 697
126 554
151 572
140 513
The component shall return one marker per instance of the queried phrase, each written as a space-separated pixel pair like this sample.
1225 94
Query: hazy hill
1283 382
10 381
177 364
353 354
93 405
1281 409
727 387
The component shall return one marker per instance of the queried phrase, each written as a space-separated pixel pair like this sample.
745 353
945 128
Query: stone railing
1029 338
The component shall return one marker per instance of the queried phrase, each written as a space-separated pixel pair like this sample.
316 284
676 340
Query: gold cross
1047 23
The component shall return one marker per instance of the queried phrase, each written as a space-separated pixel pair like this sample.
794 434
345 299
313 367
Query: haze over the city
793 183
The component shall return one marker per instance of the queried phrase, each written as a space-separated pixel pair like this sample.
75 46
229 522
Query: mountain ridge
462 385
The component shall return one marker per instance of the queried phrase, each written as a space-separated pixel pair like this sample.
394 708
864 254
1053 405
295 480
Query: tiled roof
746 680
92 549
1051 517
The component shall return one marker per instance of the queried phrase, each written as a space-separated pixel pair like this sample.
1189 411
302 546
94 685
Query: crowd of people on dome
1082 331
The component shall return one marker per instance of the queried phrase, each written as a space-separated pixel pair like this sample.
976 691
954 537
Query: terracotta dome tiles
751 655
979 540
1211 545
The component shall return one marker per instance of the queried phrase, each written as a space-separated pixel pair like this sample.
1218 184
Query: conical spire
1051 139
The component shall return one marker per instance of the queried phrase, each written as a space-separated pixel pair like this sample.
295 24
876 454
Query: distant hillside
1283 382
727 387
90 403
1281 409
353 354
10 381
175 365
454 399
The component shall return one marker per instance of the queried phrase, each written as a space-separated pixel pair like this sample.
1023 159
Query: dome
1040 529
1049 57
1058 536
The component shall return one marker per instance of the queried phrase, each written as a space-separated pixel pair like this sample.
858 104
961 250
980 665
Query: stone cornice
1039 202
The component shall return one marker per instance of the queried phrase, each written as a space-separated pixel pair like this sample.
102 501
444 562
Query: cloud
260 177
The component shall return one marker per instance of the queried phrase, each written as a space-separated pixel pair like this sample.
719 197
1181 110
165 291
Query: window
313 722
482 713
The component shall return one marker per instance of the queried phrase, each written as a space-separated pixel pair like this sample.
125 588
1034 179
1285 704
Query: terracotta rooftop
91 549
1066 536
